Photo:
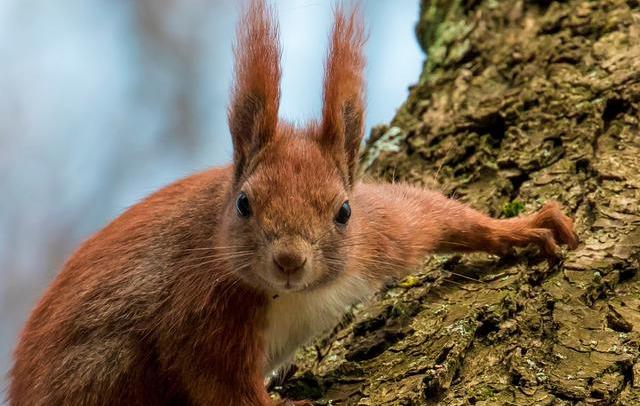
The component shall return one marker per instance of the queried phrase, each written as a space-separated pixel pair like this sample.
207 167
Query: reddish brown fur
255 99
170 303
343 93
134 318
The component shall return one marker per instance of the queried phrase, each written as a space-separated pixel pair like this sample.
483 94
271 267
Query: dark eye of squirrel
343 214
242 205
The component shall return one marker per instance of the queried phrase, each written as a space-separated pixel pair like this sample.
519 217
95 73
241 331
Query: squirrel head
286 222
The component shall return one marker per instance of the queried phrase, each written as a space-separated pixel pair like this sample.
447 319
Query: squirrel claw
549 227
551 217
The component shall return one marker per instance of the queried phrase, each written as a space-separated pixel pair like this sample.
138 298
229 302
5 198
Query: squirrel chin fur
195 294
293 319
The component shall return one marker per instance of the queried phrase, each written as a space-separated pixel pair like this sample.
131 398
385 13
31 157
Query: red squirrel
194 295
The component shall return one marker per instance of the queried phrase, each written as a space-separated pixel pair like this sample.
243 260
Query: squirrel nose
289 262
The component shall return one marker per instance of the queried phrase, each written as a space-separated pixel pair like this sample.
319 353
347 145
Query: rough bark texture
520 102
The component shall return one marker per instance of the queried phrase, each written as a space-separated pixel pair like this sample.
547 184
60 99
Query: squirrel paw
547 228
554 227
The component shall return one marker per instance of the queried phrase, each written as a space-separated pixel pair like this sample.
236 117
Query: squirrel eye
343 214
242 205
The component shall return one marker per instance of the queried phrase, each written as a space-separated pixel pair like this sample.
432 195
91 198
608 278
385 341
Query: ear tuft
343 94
255 97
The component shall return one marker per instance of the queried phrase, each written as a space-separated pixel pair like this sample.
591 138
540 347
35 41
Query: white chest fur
294 319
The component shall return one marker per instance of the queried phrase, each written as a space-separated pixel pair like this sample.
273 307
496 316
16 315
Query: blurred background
105 101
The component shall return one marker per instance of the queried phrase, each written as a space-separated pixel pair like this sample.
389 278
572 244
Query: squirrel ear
343 94
255 97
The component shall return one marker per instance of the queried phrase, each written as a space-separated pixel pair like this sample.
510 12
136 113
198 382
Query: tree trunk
520 102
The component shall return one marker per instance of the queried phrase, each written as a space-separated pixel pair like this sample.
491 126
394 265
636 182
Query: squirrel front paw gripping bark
198 292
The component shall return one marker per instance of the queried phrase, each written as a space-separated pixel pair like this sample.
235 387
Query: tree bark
520 102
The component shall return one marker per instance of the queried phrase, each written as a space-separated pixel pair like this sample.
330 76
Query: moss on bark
520 102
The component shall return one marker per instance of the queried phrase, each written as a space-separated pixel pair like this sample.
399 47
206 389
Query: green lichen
512 209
